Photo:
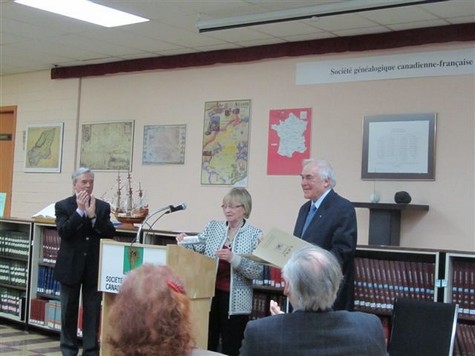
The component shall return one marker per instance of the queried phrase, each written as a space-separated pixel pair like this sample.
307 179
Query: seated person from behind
151 316
312 278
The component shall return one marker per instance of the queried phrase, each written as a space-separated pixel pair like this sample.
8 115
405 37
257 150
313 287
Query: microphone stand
150 225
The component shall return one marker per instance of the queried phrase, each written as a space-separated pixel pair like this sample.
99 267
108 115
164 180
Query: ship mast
130 194
119 189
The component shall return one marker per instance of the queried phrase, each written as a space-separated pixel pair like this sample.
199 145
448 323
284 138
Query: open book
276 248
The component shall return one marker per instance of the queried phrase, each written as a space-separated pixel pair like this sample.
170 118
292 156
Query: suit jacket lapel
325 203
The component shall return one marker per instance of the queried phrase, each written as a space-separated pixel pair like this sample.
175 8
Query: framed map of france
107 146
44 148
289 140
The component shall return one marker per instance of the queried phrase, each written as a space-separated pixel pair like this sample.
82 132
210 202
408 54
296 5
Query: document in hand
276 248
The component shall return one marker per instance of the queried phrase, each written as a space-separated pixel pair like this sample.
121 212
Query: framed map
107 146
164 144
44 143
289 140
224 158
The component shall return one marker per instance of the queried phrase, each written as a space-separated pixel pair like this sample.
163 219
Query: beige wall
178 96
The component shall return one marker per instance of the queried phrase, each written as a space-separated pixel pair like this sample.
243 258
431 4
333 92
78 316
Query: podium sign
118 259
197 271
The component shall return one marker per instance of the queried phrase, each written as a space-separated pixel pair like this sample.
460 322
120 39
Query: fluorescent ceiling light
336 8
85 10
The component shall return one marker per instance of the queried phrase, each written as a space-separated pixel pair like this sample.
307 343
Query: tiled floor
15 341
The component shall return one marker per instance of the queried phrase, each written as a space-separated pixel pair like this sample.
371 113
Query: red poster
289 140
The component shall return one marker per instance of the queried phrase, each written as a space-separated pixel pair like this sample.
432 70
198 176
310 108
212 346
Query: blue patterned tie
310 215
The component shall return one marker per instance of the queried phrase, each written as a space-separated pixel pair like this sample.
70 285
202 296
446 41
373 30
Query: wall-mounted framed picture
107 146
164 144
43 149
225 150
400 146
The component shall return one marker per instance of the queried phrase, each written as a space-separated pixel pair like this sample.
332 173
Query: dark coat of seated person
151 316
312 278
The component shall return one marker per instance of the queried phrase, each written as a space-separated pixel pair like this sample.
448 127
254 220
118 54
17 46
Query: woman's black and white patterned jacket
243 270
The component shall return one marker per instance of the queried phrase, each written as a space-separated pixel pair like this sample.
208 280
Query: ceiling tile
36 40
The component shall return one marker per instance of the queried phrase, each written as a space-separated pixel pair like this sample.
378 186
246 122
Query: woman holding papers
227 241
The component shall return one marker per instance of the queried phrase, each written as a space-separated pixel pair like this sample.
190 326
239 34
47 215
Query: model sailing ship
127 207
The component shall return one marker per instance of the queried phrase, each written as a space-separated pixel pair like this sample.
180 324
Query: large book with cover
276 248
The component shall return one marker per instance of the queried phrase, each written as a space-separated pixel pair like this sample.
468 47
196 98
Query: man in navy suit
332 226
81 221
312 277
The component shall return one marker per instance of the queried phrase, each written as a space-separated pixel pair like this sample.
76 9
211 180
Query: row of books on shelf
261 304
14 273
46 312
379 282
46 282
271 277
465 339
51 244
14 243
11 301
463 286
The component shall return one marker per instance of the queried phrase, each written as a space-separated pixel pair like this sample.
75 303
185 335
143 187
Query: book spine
358 283
387 302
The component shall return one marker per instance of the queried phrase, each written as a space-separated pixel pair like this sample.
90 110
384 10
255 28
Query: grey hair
241 196
325 170
80 171
314 277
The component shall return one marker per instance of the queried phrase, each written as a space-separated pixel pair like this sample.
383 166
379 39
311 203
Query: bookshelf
127 233
44 290
460 281
29 295
15 243
162 237
383 274
124 233
45 308
269 287
446 276
460 289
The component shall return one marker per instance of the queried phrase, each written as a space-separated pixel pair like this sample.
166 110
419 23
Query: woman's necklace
232 232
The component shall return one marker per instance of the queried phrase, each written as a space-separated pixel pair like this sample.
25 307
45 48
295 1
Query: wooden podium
197 271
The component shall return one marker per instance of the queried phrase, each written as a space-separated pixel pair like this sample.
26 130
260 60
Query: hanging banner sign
411 65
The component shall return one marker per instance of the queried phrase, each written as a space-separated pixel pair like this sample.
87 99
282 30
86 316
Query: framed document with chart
399 147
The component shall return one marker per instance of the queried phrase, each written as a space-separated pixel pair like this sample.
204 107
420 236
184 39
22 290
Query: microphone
165 210
179 207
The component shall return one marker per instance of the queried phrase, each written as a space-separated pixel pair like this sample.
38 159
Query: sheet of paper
47 212
3 200
276 248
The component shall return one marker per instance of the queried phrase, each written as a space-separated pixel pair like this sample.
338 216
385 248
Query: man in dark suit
331 226
312 277
81 221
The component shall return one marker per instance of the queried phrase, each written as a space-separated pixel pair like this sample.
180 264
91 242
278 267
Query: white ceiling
32 40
